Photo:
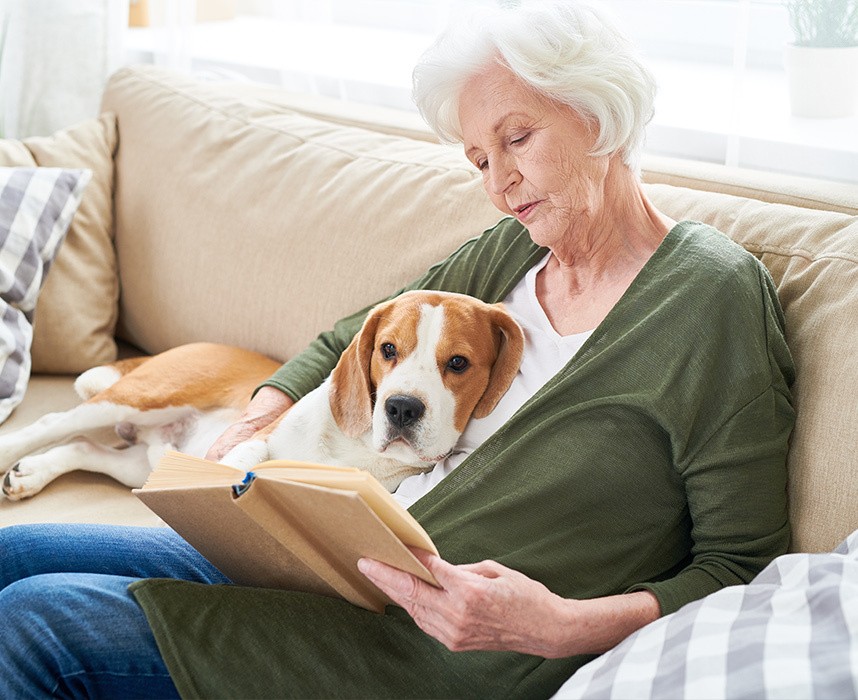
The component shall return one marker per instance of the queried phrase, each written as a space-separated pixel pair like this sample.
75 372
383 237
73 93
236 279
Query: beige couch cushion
257 209
813 258
773 188
76 315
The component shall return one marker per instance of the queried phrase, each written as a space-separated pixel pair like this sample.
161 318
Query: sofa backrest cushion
278 222
245 218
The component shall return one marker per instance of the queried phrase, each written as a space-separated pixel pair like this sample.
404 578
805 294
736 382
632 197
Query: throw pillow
790 633
36 208
78 307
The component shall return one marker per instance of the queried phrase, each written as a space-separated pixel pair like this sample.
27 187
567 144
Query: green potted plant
822 63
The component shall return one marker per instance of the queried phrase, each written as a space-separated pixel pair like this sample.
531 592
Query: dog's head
421 366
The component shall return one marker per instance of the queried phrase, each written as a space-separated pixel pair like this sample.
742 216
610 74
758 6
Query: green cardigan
654 460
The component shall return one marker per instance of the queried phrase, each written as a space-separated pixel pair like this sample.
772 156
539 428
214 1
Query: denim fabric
69 626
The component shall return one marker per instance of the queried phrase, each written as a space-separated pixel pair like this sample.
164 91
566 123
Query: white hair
567 50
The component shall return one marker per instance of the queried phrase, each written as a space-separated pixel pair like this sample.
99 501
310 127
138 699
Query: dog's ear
510 339
351 385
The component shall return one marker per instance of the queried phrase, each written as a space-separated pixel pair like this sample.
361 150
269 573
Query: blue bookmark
238 489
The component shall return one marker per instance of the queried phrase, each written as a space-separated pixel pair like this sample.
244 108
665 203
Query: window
722 98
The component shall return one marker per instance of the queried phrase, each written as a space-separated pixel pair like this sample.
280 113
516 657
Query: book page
178 470
274 464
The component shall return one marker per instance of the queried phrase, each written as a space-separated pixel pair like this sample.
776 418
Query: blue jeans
68 625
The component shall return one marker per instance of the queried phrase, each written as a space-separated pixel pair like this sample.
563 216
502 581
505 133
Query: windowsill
690 117
695 114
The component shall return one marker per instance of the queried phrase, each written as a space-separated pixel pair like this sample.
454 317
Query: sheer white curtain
55 56
719 64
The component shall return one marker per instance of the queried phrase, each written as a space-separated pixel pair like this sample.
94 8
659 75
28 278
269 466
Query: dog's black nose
402 411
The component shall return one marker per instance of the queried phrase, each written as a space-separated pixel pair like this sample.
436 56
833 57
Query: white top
546 352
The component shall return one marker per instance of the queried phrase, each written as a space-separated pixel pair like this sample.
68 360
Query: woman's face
533 153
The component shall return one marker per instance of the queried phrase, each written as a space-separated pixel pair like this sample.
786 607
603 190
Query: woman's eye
520 139
388 351
482 164
458 364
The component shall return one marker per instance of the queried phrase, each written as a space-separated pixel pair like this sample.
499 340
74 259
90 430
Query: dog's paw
246 455
9 454
21 482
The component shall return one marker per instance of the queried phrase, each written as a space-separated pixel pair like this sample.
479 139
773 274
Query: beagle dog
400 396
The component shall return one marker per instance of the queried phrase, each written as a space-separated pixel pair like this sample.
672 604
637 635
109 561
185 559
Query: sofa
239 213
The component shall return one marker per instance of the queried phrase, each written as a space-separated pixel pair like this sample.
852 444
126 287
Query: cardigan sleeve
736 490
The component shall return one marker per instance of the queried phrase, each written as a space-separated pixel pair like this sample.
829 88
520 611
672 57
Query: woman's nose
503 174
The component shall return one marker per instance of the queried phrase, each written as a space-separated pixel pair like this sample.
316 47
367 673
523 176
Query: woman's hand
479 606
487 606
268 404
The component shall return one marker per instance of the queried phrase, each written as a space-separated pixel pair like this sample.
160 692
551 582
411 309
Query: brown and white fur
395 404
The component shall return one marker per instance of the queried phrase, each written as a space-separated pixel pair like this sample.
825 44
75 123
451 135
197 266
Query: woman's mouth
524 211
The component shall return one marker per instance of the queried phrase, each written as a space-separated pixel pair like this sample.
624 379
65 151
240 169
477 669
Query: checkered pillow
790 633
36 208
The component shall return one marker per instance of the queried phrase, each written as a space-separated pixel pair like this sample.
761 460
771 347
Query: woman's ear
351 390
510 345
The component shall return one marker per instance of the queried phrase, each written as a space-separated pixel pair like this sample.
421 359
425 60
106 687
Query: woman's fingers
486 568
399 585
452 613
446 574
428 604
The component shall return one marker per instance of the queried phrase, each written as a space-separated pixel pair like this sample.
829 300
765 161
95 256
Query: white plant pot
823 82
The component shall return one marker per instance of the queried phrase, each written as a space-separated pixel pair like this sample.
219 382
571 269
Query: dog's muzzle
404 425
403 411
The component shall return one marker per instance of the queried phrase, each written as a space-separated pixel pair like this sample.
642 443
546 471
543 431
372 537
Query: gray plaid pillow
36 208
790 633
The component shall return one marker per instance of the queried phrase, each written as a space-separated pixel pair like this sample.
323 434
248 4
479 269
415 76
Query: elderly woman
636 464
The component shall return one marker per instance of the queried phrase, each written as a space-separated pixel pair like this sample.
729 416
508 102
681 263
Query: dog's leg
88 417
246 455
129 465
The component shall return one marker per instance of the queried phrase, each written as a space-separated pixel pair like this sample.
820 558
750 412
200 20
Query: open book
292 525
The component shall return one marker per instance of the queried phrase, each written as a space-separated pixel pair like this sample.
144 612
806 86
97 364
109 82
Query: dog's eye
458 364
388 351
